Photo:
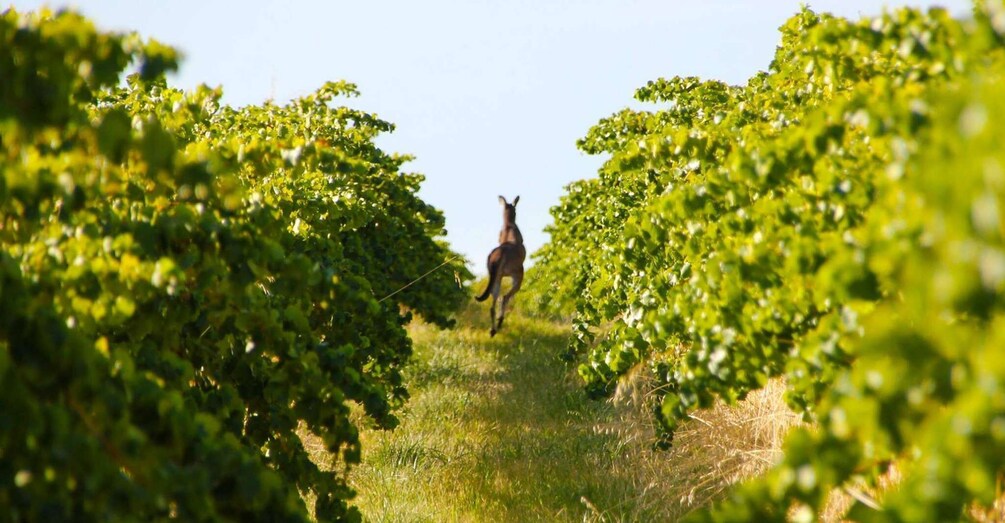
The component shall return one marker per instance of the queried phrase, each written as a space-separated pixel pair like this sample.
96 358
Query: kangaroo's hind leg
517 280
492 311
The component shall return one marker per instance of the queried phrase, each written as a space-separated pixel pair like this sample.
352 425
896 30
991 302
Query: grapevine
187 287
834 222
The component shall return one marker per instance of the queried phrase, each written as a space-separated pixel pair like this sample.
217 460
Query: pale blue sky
490 96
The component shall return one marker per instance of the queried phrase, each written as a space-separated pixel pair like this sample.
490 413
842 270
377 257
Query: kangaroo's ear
515 200
502 200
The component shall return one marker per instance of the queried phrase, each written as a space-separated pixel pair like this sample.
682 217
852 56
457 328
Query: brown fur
505 260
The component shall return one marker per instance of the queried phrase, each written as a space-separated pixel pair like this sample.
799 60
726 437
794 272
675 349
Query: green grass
498 429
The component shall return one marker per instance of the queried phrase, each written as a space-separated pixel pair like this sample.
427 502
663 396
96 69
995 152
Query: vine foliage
186 287
837 221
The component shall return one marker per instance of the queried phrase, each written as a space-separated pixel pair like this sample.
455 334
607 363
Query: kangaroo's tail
493 276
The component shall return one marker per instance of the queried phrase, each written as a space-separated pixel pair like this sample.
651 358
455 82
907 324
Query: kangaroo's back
510 233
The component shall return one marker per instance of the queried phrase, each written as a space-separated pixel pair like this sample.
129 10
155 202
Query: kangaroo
505 260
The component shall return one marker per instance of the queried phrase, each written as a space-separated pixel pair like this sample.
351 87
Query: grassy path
499 430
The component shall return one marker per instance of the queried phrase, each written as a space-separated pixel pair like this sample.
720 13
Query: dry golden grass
993 514
841 499
727 444
715 449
